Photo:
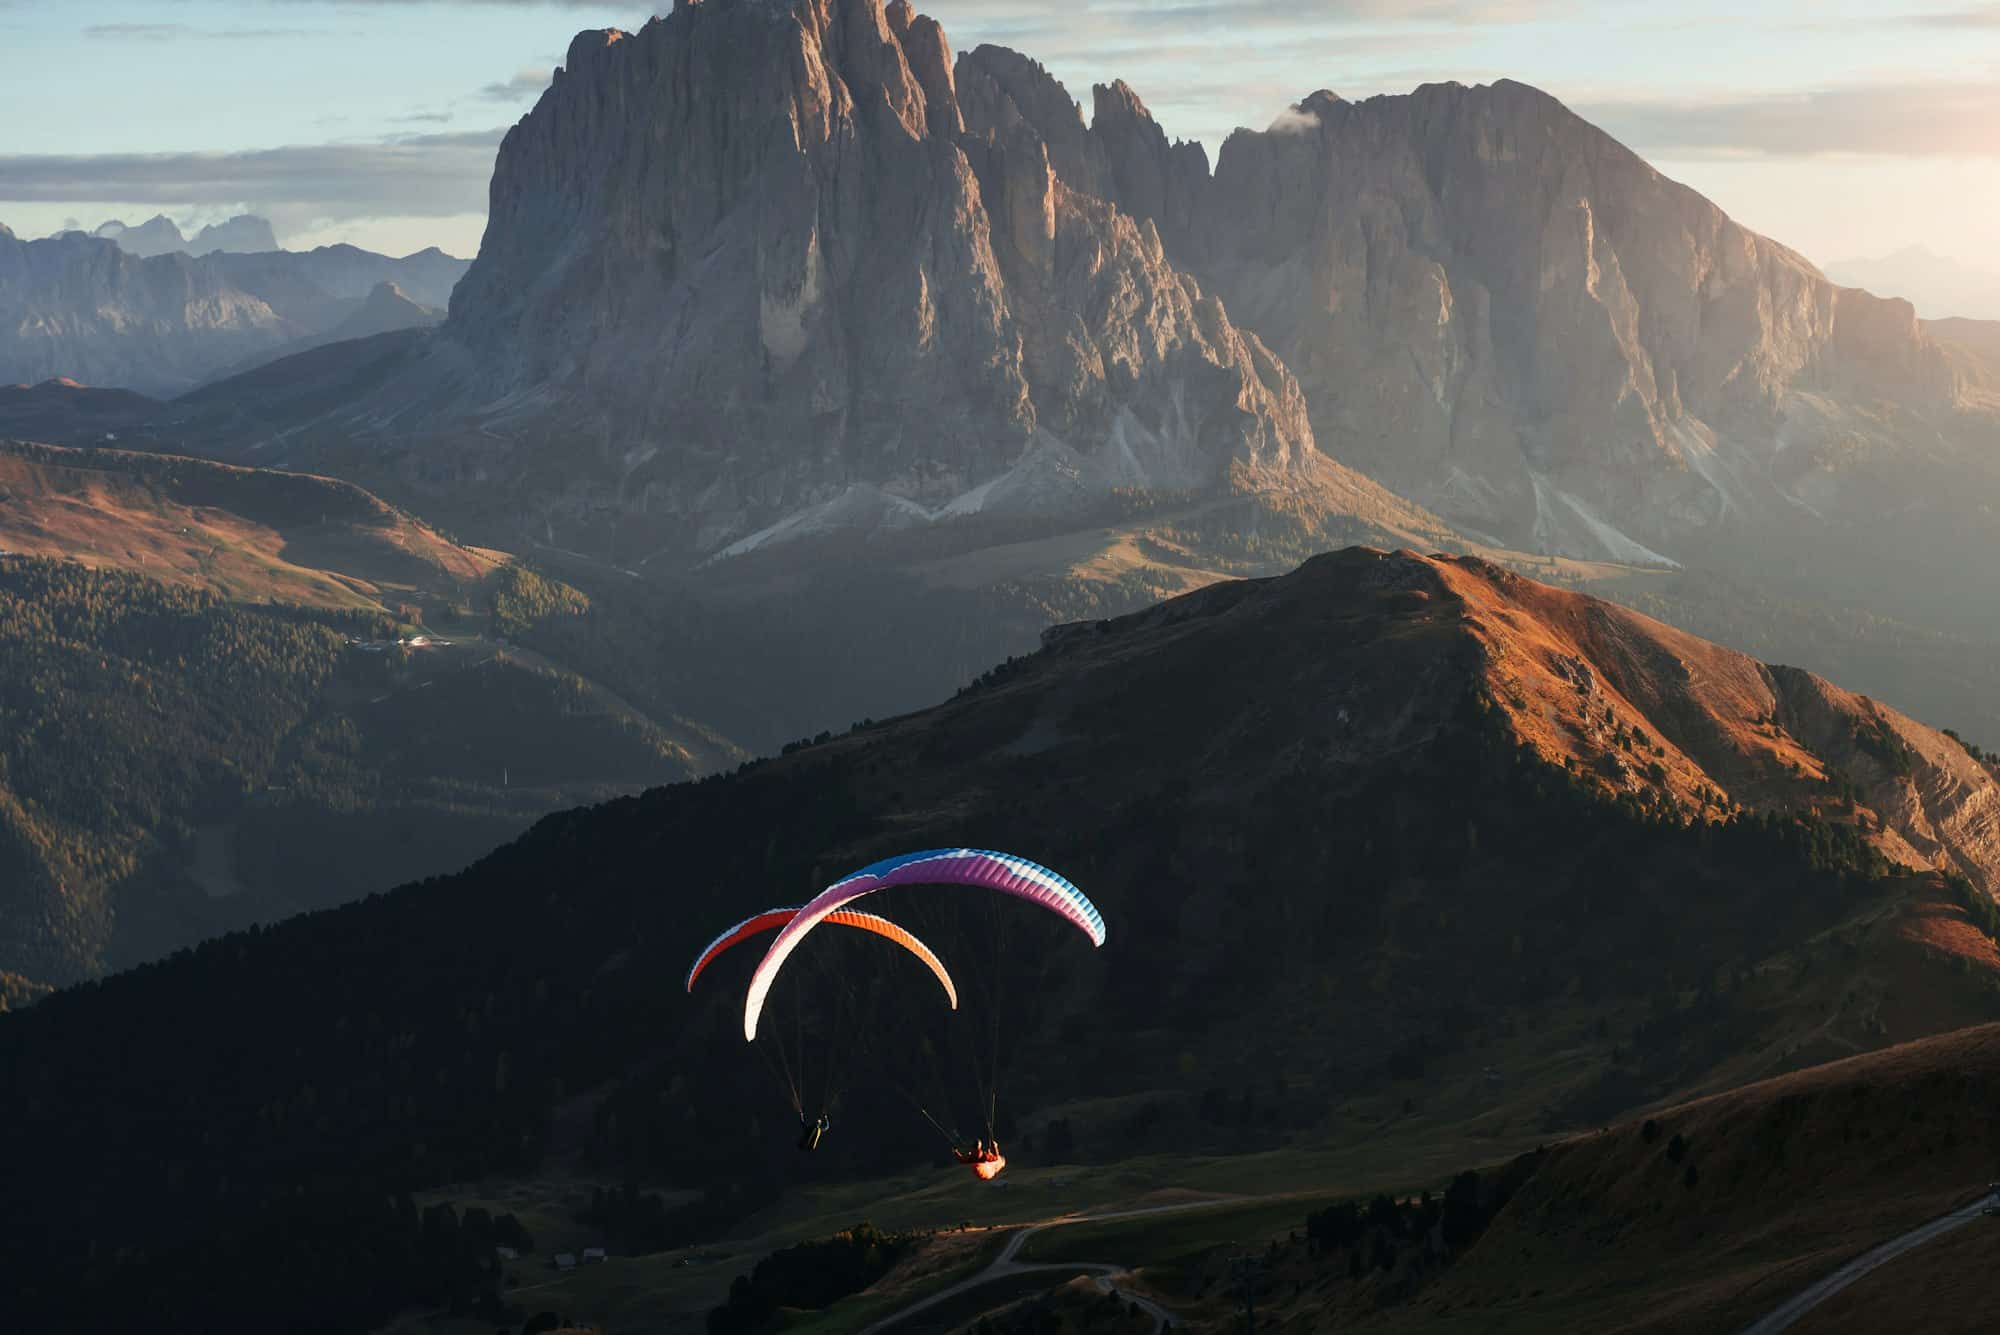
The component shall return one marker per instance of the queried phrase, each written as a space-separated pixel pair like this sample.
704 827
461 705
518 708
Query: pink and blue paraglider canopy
938 866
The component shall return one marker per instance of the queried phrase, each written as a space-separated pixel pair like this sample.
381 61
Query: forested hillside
176 764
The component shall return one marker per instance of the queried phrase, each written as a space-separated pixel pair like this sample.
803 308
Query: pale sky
1841 128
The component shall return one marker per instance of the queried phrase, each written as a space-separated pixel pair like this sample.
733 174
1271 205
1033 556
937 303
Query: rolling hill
247 534
1397 823
222 705
64 412
1698 1218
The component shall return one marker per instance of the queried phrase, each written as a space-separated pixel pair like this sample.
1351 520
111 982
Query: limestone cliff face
1121 155
757 255
1497 306
768 267
1500 311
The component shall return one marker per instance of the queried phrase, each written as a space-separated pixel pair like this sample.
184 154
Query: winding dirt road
1005 1266
1861 1265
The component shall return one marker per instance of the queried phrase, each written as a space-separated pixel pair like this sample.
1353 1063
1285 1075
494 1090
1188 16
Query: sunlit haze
1843 130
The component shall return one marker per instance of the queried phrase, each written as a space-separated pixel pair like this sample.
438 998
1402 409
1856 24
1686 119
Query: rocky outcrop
764 254
158 235
385 308
244 233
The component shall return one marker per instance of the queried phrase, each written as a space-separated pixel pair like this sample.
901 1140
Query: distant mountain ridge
386 309
81 307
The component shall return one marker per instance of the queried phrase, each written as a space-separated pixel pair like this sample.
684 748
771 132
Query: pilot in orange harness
984 1159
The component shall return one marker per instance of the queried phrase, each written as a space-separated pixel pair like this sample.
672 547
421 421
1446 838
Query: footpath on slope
1862 1265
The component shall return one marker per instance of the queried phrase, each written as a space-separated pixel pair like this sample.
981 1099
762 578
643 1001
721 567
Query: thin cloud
1208 67
469 4
151 32
177 32
1045 15
1982 16
1293 121
1911 120
425 175
525 84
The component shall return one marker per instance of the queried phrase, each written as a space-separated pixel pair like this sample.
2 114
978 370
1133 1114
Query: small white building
507 1253
593 1255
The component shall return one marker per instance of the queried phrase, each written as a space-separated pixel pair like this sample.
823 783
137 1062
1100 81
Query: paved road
1005 1265
1861 1265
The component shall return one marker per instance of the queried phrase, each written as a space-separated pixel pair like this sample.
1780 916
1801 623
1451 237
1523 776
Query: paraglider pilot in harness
810 1132
984 1158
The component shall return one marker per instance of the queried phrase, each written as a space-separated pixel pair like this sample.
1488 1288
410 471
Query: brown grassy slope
1951 1286
1078 1307
1790 1178
1648 709
248 534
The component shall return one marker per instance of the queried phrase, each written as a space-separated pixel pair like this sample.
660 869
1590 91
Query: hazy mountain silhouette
1939 287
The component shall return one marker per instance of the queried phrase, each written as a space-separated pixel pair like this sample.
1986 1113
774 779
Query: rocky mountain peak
872 266
156 236
244 233
766 266
1003 91
160 235
386 307
587 43
929 55
1146 174
1498 309
1117 98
